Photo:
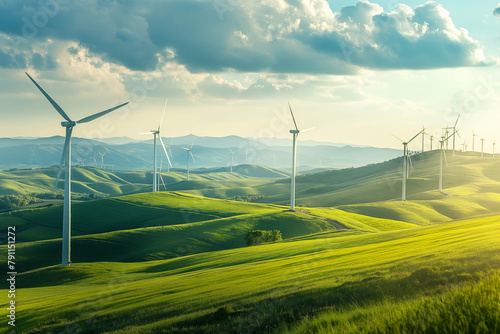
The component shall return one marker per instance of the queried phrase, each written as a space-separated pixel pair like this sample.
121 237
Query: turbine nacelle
68 124
294 131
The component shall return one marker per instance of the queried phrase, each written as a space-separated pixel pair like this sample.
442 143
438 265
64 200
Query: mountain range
124 153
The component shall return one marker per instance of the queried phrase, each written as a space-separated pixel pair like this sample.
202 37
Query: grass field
268 288
173 262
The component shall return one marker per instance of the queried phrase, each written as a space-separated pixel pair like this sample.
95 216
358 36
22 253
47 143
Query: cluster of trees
9 202
258 237
247 198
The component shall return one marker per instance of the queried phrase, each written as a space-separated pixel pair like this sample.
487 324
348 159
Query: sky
358 72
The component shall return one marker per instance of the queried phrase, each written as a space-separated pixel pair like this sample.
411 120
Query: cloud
496 11
274 36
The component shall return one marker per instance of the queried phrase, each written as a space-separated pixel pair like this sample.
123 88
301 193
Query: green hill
268 288
164 225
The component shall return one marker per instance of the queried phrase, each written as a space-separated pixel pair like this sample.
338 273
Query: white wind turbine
102 159
189 153
423 139
157 135
295 134
66 160
405 163
443 153
474 135
482 146
455 132
493 148
432 139
232 153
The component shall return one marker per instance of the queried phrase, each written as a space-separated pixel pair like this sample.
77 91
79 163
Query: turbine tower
102 159
474 135
405 163
295 134
432 139
232 153
423 139
443 153
454 128
66 160
157 135
189 153
482 146
493 148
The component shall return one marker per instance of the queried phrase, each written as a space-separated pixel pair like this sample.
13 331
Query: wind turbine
423 139
102 159
405 162
482 146
432 139
474 135
455 132
493 148
443 153
66 160
295 134
232 153
157 135
189 153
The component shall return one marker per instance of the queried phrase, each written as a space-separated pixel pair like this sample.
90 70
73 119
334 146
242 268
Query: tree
257 237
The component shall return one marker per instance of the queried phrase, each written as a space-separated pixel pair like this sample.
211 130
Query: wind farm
232 215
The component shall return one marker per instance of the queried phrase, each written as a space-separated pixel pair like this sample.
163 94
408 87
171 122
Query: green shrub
258 237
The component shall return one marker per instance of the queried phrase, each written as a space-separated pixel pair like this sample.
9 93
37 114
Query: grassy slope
471 188
127 212
260 283
163 225
93 180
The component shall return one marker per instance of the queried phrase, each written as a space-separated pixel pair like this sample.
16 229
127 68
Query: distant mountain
287 142
123 153
118 140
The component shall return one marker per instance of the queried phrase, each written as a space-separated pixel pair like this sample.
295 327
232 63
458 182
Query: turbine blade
192 143
161 178
291 112
415 136
165 150
192 156
302 131
147 133
64 155
187 149
397 138
99 114
54 104
456 121
163 115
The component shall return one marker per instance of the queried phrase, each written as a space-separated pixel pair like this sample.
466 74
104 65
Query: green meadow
354 258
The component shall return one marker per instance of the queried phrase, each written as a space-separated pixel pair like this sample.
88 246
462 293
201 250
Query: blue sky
356 71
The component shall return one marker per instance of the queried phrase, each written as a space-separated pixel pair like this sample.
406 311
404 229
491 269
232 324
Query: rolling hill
321 280
176 262
92 180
